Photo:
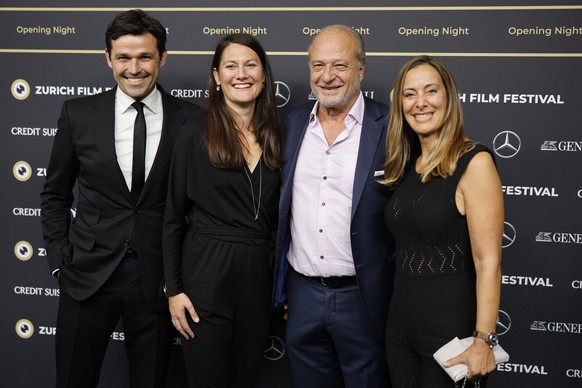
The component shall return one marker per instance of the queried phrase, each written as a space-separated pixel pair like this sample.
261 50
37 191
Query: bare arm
479 196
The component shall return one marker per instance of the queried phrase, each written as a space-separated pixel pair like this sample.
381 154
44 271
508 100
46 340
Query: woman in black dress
446 218
221 215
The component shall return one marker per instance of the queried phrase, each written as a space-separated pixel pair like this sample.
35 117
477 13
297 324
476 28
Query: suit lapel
370 137
293 141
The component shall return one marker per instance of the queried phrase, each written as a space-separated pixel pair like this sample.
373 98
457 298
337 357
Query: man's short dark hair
135 22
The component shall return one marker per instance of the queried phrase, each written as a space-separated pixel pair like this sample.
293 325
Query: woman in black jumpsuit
220 220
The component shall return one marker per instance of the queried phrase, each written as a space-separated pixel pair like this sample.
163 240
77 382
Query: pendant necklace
257 206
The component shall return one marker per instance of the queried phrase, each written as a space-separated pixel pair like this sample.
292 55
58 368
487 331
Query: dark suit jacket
107 221
372 246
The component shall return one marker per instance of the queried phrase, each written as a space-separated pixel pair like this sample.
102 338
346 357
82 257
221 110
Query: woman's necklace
257 206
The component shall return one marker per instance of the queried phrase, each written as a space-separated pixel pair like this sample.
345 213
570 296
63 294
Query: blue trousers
329 341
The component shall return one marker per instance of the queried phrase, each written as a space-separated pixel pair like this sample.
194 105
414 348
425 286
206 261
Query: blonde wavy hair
401 140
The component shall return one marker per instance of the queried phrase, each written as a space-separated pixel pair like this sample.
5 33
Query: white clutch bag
457 346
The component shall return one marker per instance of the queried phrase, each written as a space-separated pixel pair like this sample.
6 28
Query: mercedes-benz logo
282 93
506 144
509 235
503 322
274 349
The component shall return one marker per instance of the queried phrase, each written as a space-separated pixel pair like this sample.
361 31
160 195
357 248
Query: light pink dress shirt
321 209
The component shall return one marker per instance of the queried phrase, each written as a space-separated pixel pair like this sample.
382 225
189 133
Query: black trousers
229 284
84 328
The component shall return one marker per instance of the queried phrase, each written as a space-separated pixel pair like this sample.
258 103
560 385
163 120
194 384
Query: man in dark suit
334 268
109 259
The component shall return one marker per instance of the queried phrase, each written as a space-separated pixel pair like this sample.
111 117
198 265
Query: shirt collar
152 101
356 113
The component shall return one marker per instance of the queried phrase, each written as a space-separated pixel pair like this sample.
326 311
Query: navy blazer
87 248
372 245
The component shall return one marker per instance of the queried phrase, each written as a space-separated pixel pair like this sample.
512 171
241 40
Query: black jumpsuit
221 257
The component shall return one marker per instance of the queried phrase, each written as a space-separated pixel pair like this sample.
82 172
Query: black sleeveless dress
434 295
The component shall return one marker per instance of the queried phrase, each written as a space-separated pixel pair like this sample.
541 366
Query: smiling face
335 71
136 64
424 100
240 75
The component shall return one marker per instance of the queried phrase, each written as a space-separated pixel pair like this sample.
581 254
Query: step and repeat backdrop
518 65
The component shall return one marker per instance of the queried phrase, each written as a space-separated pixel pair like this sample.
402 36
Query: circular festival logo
20 89
24 328
23 250
22 171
